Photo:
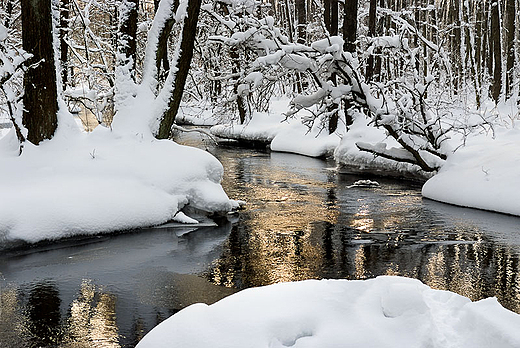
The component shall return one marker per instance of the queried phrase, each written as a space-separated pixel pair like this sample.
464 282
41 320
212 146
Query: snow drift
483 174
382 312
102 181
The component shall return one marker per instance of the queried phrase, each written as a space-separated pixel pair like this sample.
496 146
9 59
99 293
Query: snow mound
261 128
102 181
351 160
382 312
483 174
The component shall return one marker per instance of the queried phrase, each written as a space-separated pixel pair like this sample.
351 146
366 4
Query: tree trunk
496 87
349 36
334 21
301 15
64 48
189 31
327 13
509 26
162 48
41 95
128 31
371 33
350 25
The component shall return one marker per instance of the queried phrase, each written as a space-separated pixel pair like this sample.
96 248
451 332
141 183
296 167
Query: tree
64 48
509 28
127 45
41 97
350 24
301 16
496 87
372 16
189 31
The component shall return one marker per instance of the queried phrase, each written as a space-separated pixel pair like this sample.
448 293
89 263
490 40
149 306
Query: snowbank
282 135
262 127
197 115
383 312
101 181
353 161
483 174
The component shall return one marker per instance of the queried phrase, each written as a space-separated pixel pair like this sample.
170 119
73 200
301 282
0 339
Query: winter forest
165 163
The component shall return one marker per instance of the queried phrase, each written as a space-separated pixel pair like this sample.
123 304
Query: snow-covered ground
483 174
382 312
84 183
198 115
282 135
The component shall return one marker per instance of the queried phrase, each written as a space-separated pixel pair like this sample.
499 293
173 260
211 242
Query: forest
415 68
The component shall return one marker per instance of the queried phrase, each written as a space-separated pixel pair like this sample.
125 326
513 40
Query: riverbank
480 171
103 181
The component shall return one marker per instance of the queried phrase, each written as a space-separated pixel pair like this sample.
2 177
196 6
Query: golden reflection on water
281 208
294 228
12 319
92 320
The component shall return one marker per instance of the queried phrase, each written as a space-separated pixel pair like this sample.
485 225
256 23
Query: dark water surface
303 220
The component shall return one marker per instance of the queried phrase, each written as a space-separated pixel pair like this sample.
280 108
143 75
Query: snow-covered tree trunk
64 48
372 16
127 45
40 97
301 16
189 31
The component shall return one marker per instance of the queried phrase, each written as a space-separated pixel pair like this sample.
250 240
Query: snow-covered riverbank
483 174
479 174
381 312
86 183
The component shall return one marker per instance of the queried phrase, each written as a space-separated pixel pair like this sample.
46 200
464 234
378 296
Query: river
302 220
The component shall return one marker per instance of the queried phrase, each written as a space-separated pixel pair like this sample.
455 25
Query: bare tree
509 38
40 98
350 24
496 87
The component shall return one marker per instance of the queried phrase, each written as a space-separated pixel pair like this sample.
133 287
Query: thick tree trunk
189 31
350 25
41 95
496 87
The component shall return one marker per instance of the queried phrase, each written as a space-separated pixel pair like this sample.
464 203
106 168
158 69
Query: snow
283 135
382 312
86 183
352 160
483 174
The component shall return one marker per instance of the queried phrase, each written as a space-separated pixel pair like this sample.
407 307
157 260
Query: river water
302 220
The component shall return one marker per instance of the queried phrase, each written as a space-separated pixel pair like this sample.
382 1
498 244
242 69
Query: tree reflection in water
303 222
